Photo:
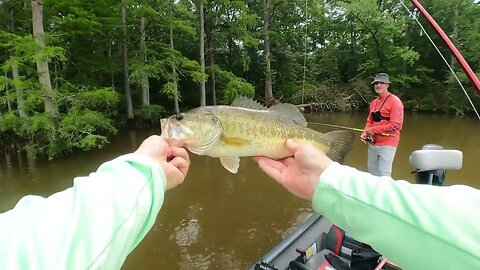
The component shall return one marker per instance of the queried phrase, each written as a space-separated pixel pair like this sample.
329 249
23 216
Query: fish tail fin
341 142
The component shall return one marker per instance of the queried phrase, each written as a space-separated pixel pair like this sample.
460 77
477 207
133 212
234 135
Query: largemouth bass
246 128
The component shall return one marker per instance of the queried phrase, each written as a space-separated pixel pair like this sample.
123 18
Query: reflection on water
187 233
217 220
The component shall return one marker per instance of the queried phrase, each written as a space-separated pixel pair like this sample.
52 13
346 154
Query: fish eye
179 116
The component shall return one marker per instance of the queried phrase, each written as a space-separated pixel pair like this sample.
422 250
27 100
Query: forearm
369 122
416 226
96 223
391 126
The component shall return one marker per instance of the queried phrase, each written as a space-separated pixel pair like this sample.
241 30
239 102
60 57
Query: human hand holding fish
174 160
300 173
247 128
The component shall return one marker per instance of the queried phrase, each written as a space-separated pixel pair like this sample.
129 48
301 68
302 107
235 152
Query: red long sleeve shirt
392 108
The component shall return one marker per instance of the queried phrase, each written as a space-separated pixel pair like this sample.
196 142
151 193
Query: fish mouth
166 128
170 130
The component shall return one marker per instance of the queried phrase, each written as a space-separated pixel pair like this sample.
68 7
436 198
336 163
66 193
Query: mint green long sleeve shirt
93 225
414 226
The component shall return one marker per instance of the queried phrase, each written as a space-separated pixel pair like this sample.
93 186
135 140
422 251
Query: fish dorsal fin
284 111
247 103
230 163
289 113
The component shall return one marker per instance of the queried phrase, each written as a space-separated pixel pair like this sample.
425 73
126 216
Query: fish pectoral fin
234 141
230 163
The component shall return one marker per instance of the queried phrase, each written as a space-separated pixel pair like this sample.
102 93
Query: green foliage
428 102
235 86
38 130
10 122
150 112
103 100
84 125
38 125
81 129
25 49
171 90
192 68
160 66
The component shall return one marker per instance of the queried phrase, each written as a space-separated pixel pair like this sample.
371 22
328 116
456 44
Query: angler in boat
382 130
413 225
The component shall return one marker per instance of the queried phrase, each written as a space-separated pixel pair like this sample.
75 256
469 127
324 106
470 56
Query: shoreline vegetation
74 73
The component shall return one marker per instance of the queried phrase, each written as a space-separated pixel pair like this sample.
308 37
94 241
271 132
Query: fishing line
443 57
349 128
336 126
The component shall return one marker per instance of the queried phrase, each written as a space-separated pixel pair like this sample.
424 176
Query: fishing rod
463 63
349 128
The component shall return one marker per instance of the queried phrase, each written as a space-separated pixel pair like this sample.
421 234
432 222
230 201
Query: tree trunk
128 92
7 90
112 75
203 101
143 55
378 50
7 95
268 72
42 65
454 38
455 28
19 91
174 71
212 76
211 53
352 65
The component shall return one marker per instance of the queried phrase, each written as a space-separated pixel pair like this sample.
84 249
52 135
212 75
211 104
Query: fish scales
265 132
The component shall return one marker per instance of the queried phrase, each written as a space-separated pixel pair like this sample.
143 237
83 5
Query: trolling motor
432 163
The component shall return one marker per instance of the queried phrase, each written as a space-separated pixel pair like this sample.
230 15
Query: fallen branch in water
309 105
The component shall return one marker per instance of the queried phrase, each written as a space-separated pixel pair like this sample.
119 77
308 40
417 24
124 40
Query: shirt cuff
146 161
326 181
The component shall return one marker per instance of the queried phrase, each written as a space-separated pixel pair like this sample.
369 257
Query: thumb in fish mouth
174 142
163 123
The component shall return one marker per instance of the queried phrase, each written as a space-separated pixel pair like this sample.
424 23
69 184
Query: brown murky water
217 220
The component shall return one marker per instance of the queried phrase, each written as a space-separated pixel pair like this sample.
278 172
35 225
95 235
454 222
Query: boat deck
302 238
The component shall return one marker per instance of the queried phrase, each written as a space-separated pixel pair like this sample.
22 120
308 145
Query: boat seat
319 261
436 159
339 243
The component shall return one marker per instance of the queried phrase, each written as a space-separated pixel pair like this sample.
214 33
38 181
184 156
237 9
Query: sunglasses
375 83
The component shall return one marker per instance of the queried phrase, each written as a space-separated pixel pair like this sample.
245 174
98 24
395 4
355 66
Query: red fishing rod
463 63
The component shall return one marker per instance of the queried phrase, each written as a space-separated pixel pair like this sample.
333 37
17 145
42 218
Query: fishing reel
368 139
